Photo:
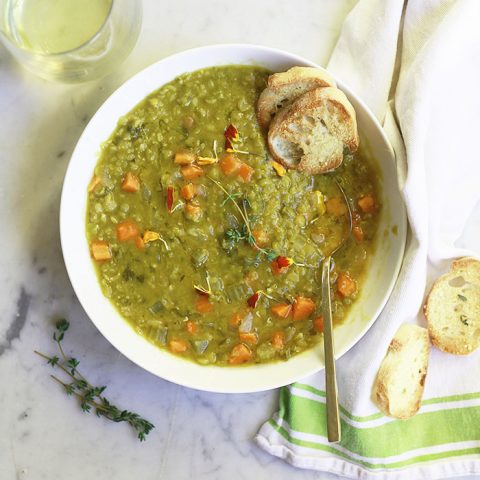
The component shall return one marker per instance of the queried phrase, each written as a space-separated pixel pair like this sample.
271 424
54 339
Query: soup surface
205 245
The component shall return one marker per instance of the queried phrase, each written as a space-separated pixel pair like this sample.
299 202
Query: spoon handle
333 417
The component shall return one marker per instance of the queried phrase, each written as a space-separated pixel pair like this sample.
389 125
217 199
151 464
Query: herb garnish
90 397
245 232
462 297
464 319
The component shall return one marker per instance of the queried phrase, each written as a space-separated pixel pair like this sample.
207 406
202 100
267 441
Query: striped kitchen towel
417 65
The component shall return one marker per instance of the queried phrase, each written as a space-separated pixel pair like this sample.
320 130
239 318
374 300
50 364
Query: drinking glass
70 40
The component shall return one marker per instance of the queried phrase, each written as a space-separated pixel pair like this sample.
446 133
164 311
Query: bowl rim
200 383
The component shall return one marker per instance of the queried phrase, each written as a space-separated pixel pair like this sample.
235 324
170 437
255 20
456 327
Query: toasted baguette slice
453 308
399 384
310 133
285 87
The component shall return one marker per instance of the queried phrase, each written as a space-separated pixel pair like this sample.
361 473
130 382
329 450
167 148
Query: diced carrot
190 172
94 183
230 164
188 191
346 286
303 307
240 354
235 320
336 207
262 239
139 243
278 340
191 327
245 172
318 324
178 346
127 230
282 310
194 212
101 251
130 183
203 304
185 157
367 204
357 232
251 337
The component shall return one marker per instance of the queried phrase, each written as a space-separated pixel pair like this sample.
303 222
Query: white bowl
383 267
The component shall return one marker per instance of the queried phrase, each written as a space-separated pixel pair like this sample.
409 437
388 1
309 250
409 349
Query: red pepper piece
229 145
231 133
170 198
284 261
253 300
281 264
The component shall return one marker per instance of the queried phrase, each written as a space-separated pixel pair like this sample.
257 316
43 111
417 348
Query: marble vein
18 321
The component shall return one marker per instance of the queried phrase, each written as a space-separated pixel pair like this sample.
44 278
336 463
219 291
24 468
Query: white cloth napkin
417 65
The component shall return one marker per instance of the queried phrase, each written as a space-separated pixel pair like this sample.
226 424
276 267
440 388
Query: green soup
219 260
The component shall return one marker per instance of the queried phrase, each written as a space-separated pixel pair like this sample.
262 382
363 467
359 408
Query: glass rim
71 50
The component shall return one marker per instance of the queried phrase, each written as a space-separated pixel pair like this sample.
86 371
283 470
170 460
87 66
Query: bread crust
400 380
450 327
332 102
285 87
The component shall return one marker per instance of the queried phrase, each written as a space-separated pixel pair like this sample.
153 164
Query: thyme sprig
90 397
245 232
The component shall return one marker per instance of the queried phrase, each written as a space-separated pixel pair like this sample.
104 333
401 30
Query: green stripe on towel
390 439
405 463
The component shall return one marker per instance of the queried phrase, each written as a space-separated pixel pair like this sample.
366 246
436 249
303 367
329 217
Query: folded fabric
416 64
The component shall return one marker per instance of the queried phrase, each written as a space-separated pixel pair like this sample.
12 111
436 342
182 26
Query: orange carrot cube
346 286
101 251
127 230
190 172
188 191
230 164
191 327
367 204
278 340
130 183
178 346
250 337
203 304
245 172
185 157
282 310
240 354
303 307
318 324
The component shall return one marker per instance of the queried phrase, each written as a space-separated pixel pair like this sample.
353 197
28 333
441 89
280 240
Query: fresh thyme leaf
271 255
464 319
250 239
232 197
61 326
91 398
73 363
53 361
462 297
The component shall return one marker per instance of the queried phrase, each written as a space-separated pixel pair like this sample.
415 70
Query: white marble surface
43 434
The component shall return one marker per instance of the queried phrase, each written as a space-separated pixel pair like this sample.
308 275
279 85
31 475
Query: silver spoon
333 417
